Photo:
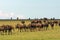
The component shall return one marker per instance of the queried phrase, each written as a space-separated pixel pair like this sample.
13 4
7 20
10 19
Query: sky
29 9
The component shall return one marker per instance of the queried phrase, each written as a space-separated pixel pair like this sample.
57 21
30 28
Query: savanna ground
37 35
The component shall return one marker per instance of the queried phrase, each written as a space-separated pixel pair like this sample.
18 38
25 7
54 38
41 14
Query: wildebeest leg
2 32
56 24
20 29
31 29
25 29
46 27
9 32
38 29
34 29
59 24
5 32
52 27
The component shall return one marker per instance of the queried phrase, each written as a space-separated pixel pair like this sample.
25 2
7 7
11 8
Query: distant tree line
35 18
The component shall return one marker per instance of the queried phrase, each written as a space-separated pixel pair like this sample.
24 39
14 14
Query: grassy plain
38 35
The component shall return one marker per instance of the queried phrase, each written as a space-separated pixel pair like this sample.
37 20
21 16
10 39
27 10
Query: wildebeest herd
35 25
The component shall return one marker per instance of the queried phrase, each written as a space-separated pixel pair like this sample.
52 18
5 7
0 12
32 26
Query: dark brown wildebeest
52 25
39 21
32 27
59 23
49 22
36 24
22 26
6 28
55 22
46 25
44 21
34 21
19 27
2 28
39 26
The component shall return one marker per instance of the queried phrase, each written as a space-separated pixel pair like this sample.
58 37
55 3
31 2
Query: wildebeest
55 22
32 26
21 26
52 25
2 28
34 21
59 23
46 25
39 26
6 28
39 21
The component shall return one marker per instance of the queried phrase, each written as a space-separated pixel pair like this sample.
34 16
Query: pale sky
29 8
